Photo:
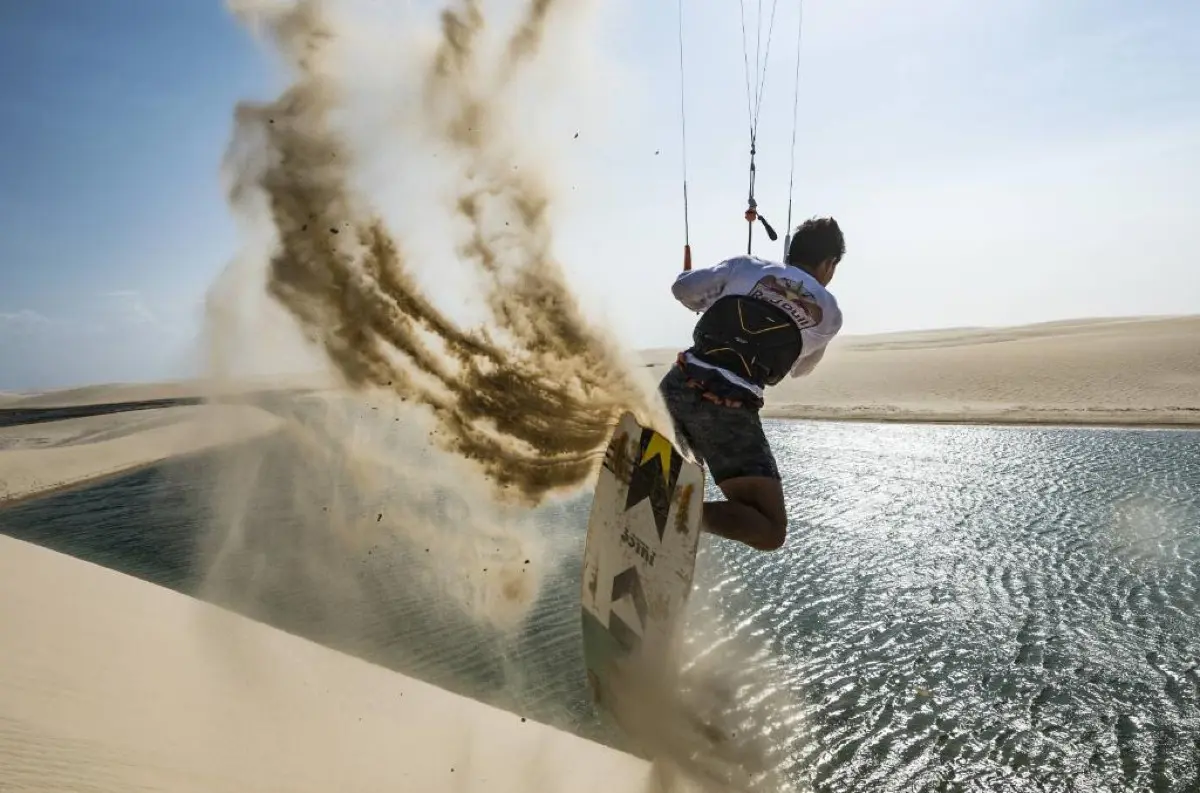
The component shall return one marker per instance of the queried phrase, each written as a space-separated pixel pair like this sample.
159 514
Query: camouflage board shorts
729 440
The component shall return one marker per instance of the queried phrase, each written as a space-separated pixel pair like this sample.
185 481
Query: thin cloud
131 307
22 321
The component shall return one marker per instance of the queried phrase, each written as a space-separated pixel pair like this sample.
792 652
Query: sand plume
396 508
529 396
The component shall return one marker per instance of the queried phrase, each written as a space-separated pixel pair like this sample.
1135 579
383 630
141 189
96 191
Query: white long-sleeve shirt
801 296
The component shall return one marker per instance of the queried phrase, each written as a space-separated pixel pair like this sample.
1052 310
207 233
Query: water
1016 608
958 608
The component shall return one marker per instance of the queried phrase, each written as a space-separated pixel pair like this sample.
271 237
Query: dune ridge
1134 371
1098 371
39 458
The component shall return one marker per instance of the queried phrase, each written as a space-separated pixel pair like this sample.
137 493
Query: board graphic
640 552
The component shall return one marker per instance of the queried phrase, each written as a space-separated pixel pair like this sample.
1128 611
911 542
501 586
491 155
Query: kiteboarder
761 321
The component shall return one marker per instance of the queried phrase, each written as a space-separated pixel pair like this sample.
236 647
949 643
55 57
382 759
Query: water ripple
980 607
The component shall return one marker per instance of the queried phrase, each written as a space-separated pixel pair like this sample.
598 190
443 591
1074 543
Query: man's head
817 246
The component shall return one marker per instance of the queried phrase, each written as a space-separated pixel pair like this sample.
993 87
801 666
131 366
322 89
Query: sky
993 162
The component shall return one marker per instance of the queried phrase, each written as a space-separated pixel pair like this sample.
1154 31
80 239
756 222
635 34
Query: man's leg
733 446
754 514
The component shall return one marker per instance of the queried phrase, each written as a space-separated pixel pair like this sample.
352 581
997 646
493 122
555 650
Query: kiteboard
639 555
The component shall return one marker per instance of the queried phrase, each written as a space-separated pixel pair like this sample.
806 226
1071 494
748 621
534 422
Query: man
761 322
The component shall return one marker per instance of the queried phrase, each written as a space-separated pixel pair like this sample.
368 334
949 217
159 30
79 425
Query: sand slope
1093 371
36 458
90 429
104 393
108 683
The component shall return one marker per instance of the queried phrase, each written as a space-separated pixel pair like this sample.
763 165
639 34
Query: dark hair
816 240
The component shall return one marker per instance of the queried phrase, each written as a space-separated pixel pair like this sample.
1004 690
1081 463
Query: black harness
749 337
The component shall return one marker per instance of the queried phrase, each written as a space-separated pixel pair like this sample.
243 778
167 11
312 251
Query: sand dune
1128 371
108 683
90 429
106 393
36 458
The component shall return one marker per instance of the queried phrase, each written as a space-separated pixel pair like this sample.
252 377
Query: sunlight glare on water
982 604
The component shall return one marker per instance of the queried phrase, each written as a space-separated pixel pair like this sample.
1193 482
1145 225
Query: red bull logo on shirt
791 297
